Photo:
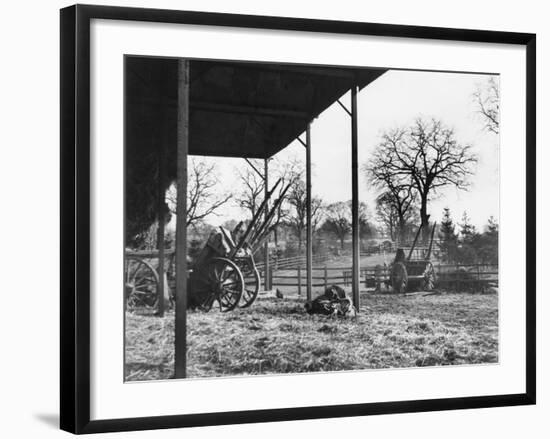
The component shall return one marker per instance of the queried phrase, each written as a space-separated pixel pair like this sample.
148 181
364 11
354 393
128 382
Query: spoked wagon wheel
141 284
219 280
429 277
251 278
399 278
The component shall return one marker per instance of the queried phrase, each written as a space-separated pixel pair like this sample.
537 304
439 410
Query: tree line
463 244
206 198
412 164
409 167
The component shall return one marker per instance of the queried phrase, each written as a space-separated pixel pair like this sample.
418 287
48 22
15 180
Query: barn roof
237 109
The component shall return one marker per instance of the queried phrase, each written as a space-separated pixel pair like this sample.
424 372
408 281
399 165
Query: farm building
180 107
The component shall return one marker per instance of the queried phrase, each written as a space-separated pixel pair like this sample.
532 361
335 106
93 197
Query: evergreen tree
448 239
488 243
467 229
469 242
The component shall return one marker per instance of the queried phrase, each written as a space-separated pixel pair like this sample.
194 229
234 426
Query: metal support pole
267 286
309 225
355 200
160 230
180 356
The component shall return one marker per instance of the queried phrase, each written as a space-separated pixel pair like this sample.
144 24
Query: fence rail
293 262
461 276
291 272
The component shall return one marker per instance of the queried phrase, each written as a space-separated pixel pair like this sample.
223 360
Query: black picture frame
75 217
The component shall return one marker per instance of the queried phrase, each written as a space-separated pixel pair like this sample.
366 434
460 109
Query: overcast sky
394 99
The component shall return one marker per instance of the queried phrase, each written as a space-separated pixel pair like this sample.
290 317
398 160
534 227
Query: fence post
270 277
326 279
456 279
299 281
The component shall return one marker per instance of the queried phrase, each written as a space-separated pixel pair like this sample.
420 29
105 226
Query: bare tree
291 172
204 196
253 190
487 100
426 157
396 203
338 220
297 218
396 213
366 228
387 214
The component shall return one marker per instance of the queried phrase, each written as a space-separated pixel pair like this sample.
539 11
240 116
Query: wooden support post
267 286
180 355
355 200
160 230
309 225
299 281
326 278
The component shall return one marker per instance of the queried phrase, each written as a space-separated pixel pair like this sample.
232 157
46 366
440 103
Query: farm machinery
414 271
224 270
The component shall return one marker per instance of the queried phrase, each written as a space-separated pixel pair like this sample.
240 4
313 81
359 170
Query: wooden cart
415 270
223 272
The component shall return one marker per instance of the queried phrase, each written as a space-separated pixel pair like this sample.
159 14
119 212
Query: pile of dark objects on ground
333 302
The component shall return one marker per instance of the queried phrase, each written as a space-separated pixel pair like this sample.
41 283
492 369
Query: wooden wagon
223 272
414 270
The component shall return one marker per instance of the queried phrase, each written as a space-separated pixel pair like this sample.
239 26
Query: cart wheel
399 278
141 284
251 278
429 277
220 280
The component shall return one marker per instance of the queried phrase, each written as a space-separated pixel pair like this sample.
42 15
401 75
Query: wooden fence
292 262
291 272
456 277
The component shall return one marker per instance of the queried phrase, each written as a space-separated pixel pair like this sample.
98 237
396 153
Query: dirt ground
277 336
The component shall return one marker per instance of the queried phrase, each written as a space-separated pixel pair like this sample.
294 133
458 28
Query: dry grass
277 336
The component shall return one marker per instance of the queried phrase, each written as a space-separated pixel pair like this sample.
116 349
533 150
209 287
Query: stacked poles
414 242
255 218
262 233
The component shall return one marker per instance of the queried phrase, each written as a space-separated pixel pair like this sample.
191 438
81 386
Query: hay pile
277 336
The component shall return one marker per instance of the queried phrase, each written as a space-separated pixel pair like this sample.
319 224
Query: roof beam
344 107
217 107
246 109
335 72
256 169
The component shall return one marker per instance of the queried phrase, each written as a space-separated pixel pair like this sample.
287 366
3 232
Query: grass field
277 336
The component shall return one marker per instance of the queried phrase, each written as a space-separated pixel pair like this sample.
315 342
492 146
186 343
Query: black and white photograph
250 246
275 219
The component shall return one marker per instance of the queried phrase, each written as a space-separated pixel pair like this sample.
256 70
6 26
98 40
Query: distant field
277 336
